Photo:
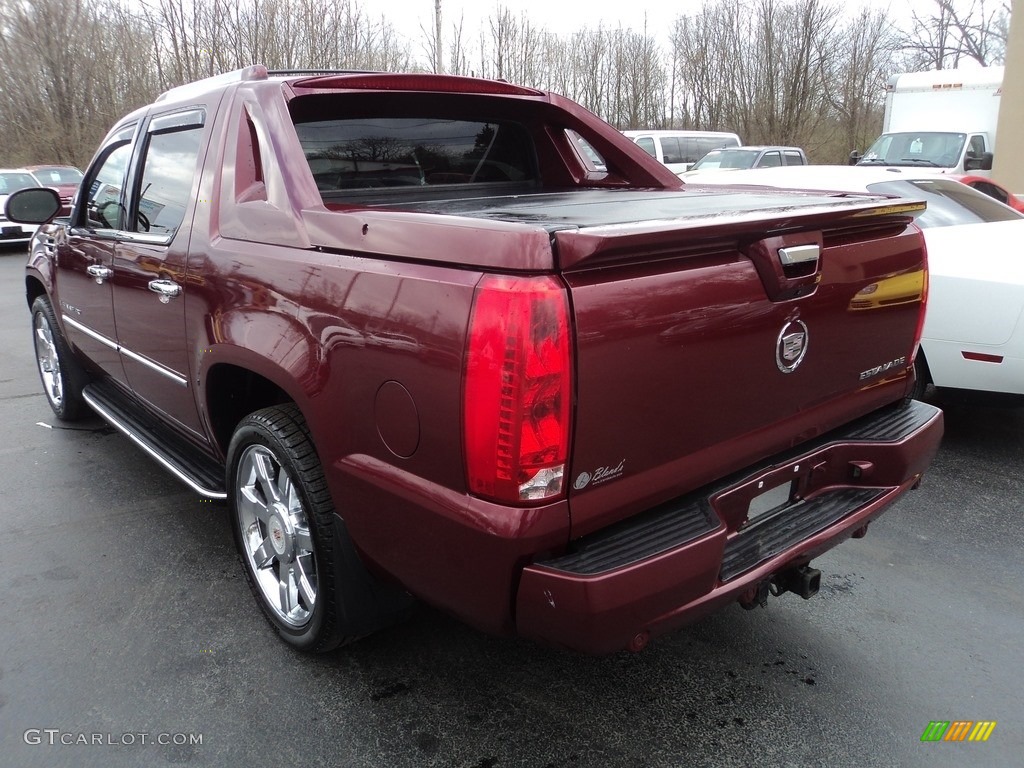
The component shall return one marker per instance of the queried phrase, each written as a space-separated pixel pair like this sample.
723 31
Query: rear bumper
15 233
674 564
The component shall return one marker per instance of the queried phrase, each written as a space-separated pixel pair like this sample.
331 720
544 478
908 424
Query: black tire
299 561
922 377
62 376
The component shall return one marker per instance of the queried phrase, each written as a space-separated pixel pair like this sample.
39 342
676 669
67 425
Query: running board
174 453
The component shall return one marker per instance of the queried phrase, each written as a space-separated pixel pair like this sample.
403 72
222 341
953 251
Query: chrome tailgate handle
798 254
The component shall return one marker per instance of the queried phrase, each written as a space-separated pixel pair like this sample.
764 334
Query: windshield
921 149
949 202
52 174
725 158
12 182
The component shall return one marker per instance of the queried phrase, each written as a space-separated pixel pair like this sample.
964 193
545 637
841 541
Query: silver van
681 149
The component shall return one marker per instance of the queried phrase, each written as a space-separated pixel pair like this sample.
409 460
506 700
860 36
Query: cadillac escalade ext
459 340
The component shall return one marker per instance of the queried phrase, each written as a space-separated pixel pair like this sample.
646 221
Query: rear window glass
646 143
58 175
367 153
949 202
697 147
671 149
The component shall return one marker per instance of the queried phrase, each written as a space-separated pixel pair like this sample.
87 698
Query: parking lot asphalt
128 631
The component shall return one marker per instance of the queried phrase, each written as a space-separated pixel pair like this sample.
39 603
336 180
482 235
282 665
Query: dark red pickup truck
462 340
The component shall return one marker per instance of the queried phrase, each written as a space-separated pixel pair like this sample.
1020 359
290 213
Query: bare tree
776 71
955 31
515 43
58 100
759 68
865 59
458 56
640 81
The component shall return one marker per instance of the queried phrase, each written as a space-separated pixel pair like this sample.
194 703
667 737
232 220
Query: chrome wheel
298 557
62 376
48 360
275 536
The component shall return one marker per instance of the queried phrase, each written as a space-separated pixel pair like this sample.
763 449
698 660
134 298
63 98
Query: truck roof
942 79
348 78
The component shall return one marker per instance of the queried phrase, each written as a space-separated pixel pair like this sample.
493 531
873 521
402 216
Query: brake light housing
517 390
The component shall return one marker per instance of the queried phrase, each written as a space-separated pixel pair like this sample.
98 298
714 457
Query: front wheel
299 561
62 376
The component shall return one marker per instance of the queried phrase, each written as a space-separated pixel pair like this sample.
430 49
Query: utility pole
438 48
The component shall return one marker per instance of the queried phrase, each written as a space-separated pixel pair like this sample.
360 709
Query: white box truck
942 120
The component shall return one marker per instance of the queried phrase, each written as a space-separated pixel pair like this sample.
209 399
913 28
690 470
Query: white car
11 180
974 325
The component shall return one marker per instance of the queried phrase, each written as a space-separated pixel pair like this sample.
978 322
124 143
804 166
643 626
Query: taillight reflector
517 391
981 357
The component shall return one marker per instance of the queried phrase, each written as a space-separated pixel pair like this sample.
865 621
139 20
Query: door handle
799 254
99 272
165 289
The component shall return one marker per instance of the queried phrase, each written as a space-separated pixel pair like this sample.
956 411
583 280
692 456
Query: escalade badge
791 346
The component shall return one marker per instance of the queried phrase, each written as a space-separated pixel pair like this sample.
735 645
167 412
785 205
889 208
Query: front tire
299 561
922 377
62 376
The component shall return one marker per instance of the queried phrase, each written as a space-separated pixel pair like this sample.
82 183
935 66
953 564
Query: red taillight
517 394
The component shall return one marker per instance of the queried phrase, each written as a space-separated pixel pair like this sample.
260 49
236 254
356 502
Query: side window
691 149
977 147
103 206
168 169
670 149
991 190
794 158
646 143
706 143
770 160
589 156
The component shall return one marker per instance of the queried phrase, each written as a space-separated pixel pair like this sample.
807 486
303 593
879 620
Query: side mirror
855 157
32 206
986 161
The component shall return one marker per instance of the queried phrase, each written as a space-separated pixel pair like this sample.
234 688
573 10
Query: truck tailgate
707 347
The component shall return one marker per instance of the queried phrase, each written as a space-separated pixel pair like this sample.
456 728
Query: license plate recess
769 501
